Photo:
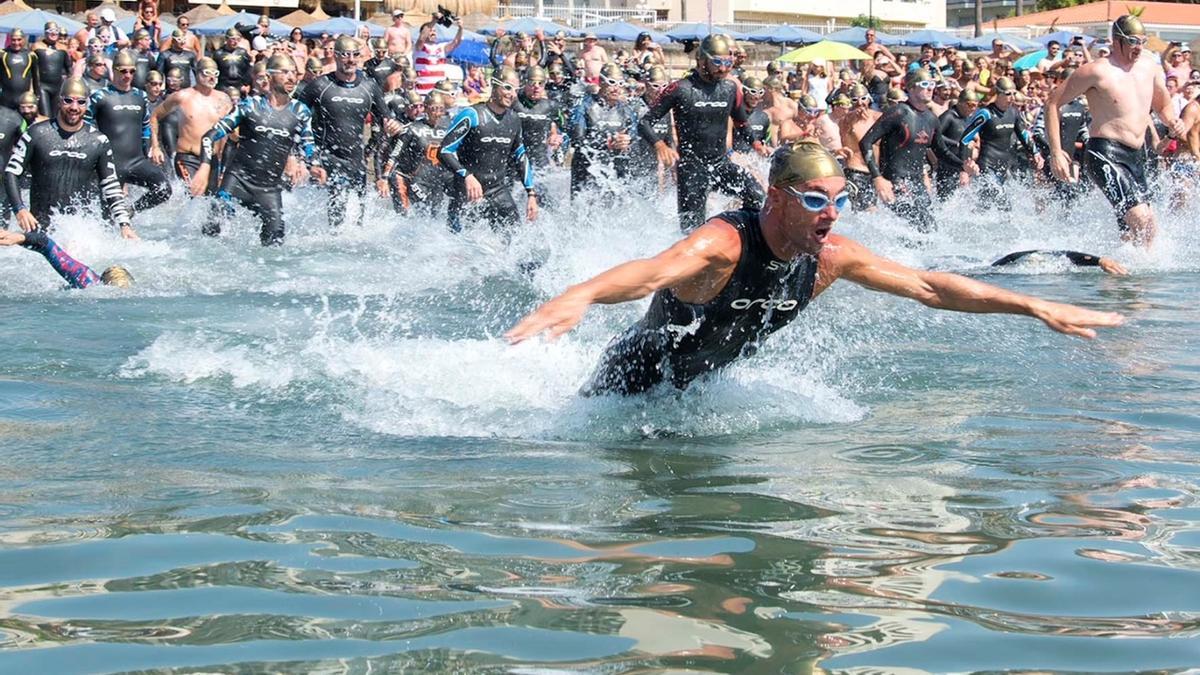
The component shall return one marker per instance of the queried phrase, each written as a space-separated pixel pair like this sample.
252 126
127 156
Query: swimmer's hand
127 232
1060 164
1113 267
474 189
199 182
1072 320
319 174
1178 128
554 318
26 220
156 154
531 208
883 188
666 154
11 238
382 186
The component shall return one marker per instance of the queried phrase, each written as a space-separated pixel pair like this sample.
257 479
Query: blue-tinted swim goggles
721 61
817 201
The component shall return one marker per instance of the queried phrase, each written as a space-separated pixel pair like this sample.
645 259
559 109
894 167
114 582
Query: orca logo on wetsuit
347 99
532 116
68 153
282 133
494 139
127 107
710 104
781 305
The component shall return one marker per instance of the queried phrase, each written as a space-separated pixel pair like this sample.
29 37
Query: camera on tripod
445 17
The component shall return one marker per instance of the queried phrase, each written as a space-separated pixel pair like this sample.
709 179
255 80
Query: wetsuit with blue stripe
75 273
996 130
254 178
124 116
487 145
678 341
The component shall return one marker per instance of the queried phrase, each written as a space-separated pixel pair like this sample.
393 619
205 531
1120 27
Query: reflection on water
322 459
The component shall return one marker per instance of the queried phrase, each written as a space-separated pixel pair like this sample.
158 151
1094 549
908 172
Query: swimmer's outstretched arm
75 273
709 248
850 260
1078 259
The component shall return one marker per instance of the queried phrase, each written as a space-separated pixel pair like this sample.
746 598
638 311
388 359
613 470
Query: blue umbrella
858 36
31 22
1030 60
340 25
1064 38
699 31
445 34
939 39
784 34
625 32
983 43
531 25
126 25
470 51
221 24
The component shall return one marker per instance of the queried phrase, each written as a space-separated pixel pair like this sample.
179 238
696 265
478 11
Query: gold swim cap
751 82
857 90
124 59
534 74
801 162
1005 85
1127 26
896 95
280 62
117 276
917 76
434 98
206 63
73 86
314 65
657 74
968 96
345 44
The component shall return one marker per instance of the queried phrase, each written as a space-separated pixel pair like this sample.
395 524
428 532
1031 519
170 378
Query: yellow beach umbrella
826 50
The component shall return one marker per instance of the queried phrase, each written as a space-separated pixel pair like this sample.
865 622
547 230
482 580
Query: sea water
324 457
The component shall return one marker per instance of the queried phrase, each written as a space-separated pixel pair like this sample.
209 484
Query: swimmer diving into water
745 274
75 273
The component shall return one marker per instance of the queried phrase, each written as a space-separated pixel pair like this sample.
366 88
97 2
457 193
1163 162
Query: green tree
864 21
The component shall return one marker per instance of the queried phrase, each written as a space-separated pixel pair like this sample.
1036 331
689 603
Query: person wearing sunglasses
702 105
270 127
53 66
997 125
234 62
1121 90
904 134
955 164
602 128
121 112
340 102
484 141
855 123
753 136
745 274
69 165
200 107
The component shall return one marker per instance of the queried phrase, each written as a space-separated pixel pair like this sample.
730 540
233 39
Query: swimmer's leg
691 193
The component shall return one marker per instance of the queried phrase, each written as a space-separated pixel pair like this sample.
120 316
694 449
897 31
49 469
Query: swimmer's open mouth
823 232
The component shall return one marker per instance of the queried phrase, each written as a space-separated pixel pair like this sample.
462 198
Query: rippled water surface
323 457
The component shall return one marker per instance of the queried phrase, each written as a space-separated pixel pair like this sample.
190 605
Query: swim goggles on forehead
503 85
817 201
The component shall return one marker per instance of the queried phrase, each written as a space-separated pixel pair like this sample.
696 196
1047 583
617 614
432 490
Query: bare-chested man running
853 126
201 107
1121 89
781 110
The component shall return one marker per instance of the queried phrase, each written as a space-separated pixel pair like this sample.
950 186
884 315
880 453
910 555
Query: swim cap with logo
117 276
801 162
206 63
280 62
534 74
124 59
73 86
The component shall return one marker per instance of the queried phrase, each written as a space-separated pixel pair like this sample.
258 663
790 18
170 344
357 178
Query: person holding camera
429 55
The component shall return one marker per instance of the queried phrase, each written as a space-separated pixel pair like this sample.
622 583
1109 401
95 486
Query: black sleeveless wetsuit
340 112
904 134
53 66
68 170
702 111
677 341
124 117
490 147
254 178
18 74
950 153
593 123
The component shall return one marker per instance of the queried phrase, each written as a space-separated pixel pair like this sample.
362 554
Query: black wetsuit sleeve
1076 258
662 105
739 115
14 171
883 126
948 148
1023 135
466 120
111 194
225 126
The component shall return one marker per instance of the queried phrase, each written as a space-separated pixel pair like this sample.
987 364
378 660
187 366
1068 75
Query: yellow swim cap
801 162
117 276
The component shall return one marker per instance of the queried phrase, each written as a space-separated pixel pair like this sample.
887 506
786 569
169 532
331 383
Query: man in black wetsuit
483 144
70 164
12 125
538 118
643 158
602 129
1073 121
744 274
177 57
18 70
53 65
381 66
340 102
703 103
270 127
951 154
95 76
27 108
904 132
417 177
122 113
997 124
144 57
233 62
753 136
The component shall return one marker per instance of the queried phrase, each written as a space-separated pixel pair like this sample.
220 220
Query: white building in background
898 13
